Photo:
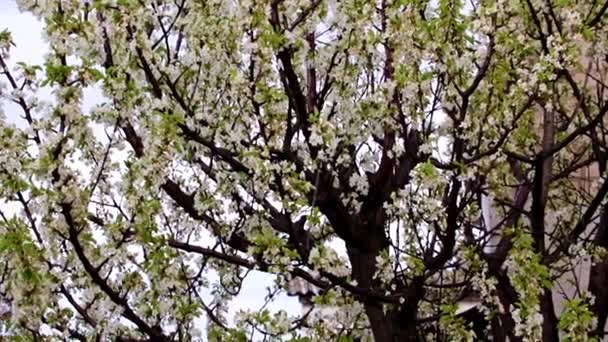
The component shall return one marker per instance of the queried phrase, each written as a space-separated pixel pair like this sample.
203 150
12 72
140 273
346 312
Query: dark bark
598 278
549 319
399 325
363 261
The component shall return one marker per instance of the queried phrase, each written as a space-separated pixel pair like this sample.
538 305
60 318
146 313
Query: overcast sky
27 35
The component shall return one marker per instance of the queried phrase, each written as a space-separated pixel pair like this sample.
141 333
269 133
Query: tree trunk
363 264
598 278
392 326
549 319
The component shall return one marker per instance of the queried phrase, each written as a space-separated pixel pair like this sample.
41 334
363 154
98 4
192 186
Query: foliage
398 156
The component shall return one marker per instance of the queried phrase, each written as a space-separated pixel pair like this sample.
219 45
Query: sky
30 47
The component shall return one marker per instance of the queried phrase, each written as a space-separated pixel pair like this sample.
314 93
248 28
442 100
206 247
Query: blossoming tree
395 154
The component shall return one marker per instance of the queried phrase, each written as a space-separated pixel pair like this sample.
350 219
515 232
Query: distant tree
452 148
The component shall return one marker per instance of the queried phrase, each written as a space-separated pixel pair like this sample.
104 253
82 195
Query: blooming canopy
400 156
